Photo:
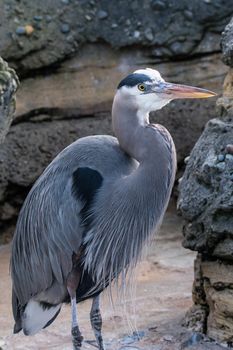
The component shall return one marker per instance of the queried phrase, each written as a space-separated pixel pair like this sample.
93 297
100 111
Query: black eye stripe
134 79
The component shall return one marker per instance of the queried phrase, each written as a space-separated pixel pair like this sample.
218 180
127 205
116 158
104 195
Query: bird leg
72 285
96 322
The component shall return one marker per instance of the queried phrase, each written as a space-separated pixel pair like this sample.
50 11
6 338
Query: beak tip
211 94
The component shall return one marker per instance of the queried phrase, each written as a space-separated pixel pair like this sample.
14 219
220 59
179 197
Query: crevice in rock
150 59
38 72
51 114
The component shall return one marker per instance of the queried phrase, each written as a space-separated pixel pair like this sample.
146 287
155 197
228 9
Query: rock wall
206 203
38 34
70 56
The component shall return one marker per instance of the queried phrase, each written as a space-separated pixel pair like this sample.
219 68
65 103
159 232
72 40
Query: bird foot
99 346
92 342
77 338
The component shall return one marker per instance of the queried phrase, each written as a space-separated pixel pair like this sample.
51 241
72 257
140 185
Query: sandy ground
164 283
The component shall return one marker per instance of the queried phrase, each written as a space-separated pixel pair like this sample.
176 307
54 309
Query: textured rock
199 297
206 200
218 283
196 317
206 203
8 86
60 28
86 83
212 313
227 44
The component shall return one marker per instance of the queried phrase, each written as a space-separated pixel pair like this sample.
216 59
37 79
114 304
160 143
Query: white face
148 91
146 101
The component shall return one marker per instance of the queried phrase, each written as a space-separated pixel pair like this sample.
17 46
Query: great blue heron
87 217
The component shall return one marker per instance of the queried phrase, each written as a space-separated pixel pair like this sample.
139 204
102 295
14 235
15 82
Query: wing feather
48 232
53 219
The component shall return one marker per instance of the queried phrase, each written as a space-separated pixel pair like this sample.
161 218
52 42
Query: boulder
206 190
206 204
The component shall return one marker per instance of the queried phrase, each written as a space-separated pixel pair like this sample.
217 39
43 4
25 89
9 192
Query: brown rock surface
217 283
86 83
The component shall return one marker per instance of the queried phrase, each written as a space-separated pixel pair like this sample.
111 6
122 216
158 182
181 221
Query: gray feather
49 228
127 215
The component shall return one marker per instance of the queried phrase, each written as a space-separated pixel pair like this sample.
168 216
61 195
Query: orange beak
183 91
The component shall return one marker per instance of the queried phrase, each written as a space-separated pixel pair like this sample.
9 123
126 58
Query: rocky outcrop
8 85
206 199
38 34
206 203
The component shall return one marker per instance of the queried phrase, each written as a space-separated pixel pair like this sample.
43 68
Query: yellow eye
141 87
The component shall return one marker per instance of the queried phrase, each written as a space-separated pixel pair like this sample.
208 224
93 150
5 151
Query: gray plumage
94 208
47 242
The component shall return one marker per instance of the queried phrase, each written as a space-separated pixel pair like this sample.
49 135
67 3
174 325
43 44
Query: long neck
153 147
128 126
129 212
150 145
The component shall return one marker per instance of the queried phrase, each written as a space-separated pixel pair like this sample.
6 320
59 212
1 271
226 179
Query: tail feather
36 316
17 313
52 319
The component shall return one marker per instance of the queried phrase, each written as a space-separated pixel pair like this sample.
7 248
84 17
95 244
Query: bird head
149 91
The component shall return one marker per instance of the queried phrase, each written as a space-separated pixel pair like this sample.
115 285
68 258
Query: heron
88 216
